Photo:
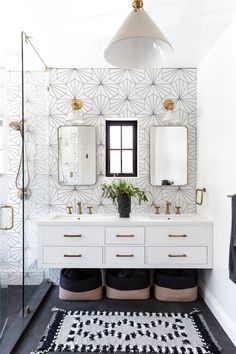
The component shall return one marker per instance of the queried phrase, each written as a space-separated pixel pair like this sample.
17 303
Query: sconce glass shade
75 118
170 117
138 44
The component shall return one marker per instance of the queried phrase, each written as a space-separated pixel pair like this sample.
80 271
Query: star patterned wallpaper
106 93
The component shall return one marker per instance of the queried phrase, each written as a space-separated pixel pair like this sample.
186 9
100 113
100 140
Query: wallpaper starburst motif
106 93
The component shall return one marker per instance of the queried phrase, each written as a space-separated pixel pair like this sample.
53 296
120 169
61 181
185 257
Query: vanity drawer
125 235
125 255
73 235
178 235
177 255
62 256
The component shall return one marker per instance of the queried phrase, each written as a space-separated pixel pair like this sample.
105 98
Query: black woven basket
127 284
80 284
177 285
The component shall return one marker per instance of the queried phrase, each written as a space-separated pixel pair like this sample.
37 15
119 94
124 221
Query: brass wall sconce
75 117
170 116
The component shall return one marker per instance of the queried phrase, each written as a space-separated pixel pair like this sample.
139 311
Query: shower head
16 125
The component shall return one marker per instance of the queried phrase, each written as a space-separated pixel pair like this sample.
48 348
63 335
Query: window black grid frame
134 125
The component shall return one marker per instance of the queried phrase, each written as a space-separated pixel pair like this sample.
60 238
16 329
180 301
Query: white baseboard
218 311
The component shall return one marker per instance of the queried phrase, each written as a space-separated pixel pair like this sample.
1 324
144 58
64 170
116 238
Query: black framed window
121 148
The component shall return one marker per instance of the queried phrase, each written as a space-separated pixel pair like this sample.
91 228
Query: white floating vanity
141 241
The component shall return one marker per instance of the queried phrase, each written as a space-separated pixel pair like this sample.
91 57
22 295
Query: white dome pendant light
138 44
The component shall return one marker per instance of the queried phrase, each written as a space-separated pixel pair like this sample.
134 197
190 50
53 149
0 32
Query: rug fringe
48 335
124 313
45 334
210 332
203 330
55 309
195 310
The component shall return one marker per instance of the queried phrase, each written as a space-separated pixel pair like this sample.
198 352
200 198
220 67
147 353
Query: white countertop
115 220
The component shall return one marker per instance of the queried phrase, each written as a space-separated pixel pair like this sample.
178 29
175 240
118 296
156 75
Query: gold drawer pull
176 255
72 255
177 235
66 235
124 255
118 235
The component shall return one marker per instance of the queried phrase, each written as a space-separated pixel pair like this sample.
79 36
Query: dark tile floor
3 309
31 337
12 298
11 305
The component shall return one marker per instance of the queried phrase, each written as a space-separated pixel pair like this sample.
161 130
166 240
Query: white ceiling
74 33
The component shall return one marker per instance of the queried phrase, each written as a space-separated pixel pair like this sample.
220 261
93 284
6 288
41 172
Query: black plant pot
124 206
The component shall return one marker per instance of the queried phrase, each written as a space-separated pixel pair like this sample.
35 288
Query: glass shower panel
3 276
6 210
35 161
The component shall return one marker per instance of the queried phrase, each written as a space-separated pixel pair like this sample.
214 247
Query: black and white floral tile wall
106 93
117 93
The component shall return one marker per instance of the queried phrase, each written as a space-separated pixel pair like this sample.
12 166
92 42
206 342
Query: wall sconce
170 116
75 117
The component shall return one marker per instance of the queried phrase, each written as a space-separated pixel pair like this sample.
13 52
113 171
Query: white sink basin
115 219
159 217
85 217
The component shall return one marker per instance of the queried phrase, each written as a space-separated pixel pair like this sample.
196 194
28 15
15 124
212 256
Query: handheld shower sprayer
23 191
16 125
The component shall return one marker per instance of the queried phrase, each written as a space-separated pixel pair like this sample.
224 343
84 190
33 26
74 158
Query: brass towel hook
200 190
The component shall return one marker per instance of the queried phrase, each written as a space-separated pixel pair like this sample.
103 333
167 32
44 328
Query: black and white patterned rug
131 332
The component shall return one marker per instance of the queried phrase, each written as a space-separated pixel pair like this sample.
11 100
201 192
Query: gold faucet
168 205
79 208
157 209
177 208
90 209
69 209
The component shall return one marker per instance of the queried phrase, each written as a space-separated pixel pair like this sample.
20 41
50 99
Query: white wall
217 168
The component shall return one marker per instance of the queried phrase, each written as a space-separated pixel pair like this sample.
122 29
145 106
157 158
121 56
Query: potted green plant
122 191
